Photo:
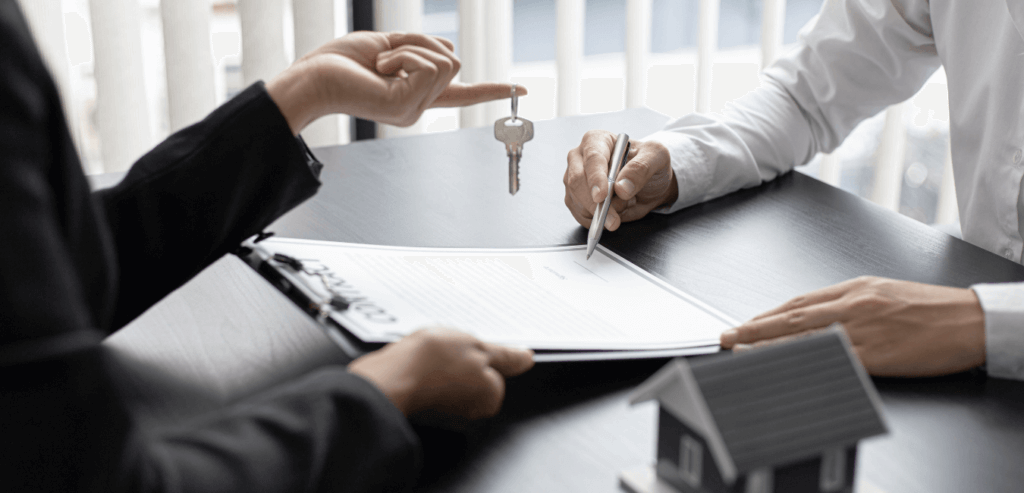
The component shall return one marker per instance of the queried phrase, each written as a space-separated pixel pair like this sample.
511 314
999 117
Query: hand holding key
386 77
513 131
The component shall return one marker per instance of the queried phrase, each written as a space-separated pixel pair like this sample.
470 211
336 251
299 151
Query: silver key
514 131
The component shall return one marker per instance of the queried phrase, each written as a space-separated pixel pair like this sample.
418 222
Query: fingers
490 404
596 150
586 176
740 347
421 74
446 43
433 43
390 62
639 170
506 360
578 197
578 213
426 80
813 298
786 323
459 94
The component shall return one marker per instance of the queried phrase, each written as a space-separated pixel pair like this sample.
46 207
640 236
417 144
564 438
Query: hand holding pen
645 183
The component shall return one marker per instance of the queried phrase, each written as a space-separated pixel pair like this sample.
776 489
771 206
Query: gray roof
789 402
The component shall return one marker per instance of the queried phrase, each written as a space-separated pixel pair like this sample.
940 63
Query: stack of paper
550 299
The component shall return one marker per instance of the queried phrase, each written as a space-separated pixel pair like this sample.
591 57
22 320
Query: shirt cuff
1003 305
690 165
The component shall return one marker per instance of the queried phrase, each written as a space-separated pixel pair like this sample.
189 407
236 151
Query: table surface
568 427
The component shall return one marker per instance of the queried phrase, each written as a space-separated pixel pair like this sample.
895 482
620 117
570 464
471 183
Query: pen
601 212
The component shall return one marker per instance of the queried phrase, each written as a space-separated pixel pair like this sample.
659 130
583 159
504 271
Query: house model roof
772 406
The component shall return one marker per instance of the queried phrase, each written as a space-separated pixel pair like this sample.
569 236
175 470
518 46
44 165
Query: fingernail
627 187
594 191
609 222
729 338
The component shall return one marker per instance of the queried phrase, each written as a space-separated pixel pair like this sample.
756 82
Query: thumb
508 361
462 94
639 170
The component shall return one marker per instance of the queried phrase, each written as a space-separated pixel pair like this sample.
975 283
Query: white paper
543 298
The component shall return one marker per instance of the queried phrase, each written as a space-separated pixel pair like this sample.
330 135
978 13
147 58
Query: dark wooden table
567 427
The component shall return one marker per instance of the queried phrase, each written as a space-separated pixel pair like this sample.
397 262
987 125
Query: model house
783 419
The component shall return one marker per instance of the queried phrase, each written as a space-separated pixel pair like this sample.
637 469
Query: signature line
590 271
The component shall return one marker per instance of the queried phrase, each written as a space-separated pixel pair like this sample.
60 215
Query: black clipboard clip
286 274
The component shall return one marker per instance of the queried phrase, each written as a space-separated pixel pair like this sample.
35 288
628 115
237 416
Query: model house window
833 470
760 481
690 461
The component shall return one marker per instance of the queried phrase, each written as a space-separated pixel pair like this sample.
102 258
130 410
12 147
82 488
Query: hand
898 328
386 77
644 184
443 370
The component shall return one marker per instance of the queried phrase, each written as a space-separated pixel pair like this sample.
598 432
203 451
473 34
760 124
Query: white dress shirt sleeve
1003 305
852 61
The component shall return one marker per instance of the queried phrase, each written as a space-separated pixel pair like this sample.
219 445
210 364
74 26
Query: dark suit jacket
76 266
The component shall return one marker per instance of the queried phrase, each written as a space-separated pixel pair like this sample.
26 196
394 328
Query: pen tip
588 256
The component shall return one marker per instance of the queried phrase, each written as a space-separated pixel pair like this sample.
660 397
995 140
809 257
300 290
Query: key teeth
513 175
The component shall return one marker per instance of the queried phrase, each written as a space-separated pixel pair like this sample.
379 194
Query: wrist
973 320
673 189
292 91
390 379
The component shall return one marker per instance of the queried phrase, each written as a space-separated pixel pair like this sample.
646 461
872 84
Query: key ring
515 104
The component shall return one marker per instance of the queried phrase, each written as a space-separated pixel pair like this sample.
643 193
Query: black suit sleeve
331 431
199 193
64 426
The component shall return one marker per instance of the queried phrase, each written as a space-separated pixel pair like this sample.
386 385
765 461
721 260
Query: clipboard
283 273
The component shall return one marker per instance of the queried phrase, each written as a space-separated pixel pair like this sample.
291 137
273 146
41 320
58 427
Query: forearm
67 428
854 60
760 136
198 194
328 431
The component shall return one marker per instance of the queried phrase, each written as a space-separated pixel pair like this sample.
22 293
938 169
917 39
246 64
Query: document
543 298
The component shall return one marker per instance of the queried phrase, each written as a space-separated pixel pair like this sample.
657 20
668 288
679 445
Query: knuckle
865 280
658 150
574 180
795 318
868 301
593 134
591 153
432 340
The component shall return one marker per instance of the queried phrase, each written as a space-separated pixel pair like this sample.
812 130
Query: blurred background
898 159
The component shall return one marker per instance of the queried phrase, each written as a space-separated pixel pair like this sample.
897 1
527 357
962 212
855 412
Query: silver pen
601 212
